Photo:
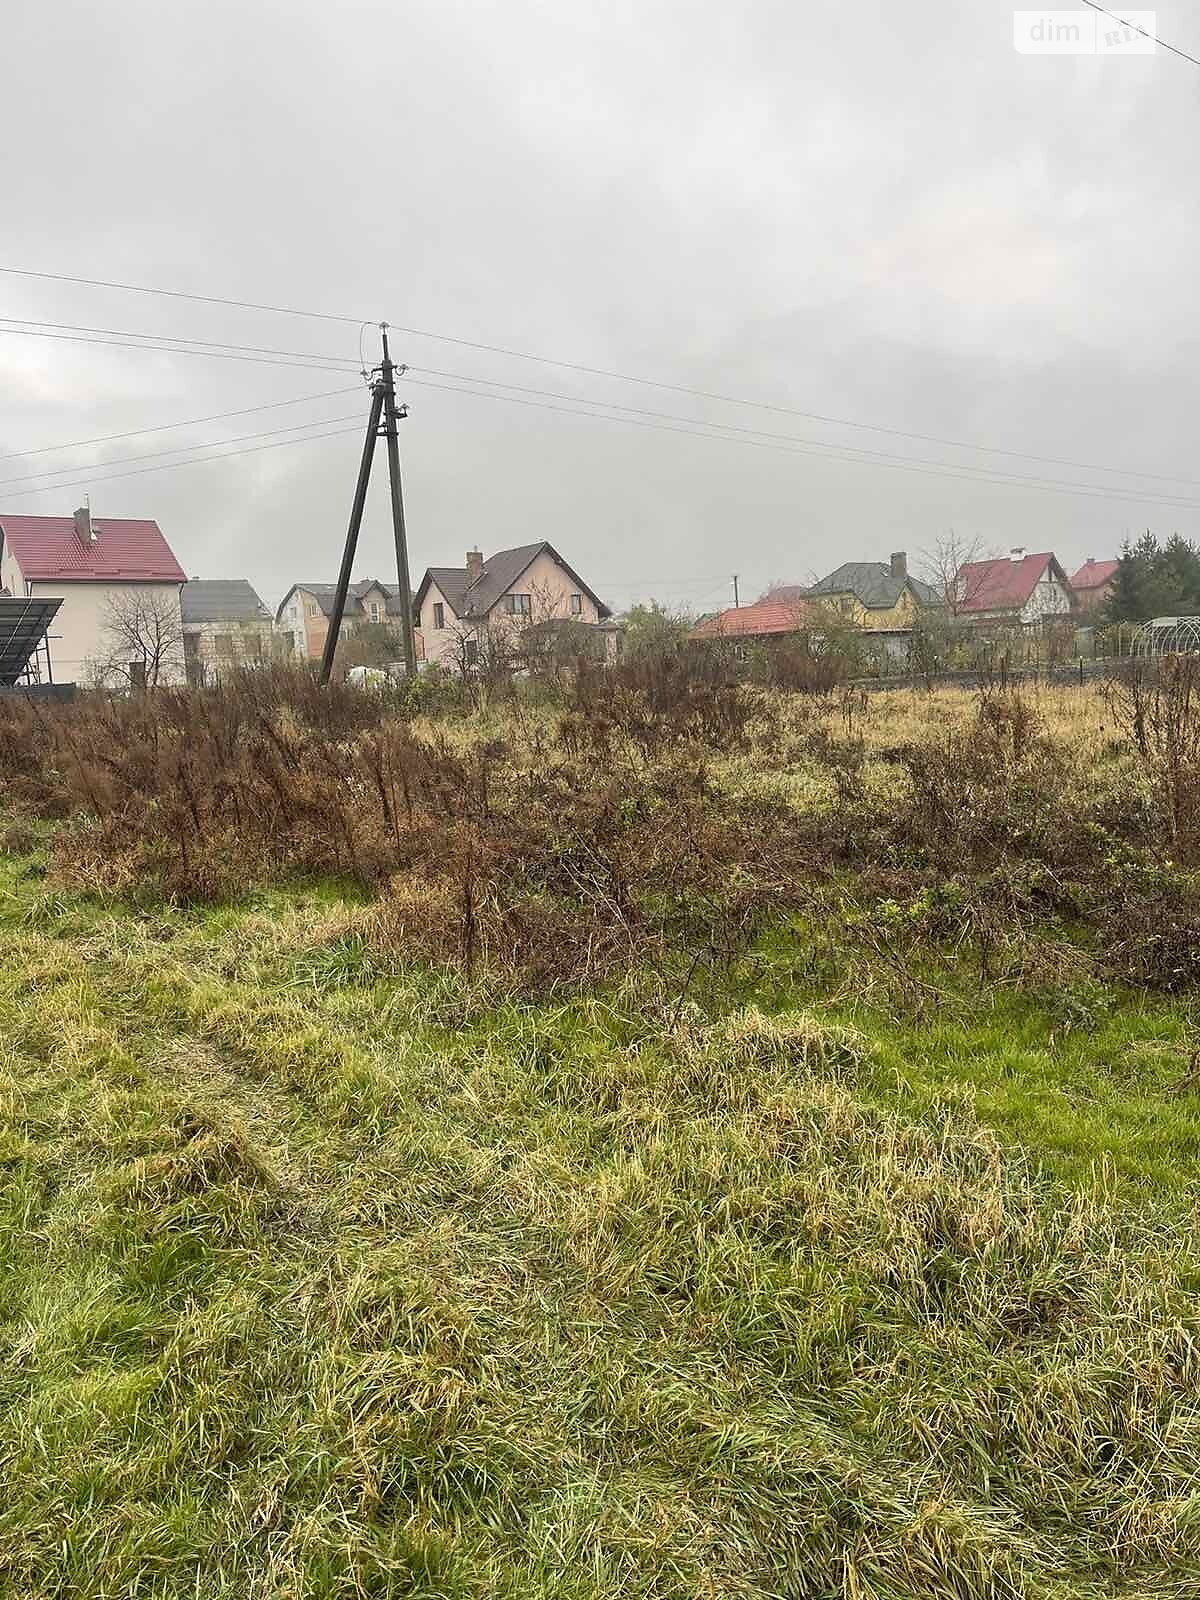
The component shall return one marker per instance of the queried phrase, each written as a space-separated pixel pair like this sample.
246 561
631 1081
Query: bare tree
942 568
143 639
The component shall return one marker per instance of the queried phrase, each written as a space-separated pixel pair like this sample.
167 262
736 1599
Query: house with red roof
764 620
1092 584
1013 588
119 584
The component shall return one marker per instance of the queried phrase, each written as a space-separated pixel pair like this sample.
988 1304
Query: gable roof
1093 574
756 621
874 584
221 600
125 549
325 594
1004 584
500 572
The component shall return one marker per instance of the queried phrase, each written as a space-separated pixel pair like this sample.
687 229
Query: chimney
1017 553
899 564
84 530
474 566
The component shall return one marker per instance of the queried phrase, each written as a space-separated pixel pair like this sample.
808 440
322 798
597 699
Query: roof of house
1092 574
221 600
873 583
1006 583
500 572
756 621
125 549
325 594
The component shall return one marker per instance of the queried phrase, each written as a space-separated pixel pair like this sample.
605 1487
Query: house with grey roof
879 597
302 617
524 591
224 624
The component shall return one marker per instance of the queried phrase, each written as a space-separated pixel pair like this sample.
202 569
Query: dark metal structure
383 406
24 624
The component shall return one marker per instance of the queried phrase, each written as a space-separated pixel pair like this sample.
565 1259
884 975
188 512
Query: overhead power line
606 372
981 475
1145 35
225 455
25 324
729 427
317 364
155 455
188 422
179 294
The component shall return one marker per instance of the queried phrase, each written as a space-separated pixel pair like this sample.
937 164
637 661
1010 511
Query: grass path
318 1280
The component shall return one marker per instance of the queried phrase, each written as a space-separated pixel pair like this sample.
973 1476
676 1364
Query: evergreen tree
1125 601
1154 580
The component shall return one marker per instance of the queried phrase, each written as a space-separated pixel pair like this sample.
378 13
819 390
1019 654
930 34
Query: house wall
210 646
1092 599
303 619
79 637
1050 598
440 643
548 586
872 619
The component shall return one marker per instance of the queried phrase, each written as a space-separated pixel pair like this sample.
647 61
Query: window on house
576 605
518 605
470 652
311 607
439 615
374 610
846 604
223 644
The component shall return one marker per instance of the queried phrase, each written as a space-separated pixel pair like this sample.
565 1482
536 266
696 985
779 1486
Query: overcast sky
871 212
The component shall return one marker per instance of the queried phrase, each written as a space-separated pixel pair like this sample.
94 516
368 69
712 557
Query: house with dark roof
224 624
1092 584
529 586
878 596
1016 588
119 584
302 617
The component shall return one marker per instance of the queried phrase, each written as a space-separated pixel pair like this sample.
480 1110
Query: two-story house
530 586
304 612
1016 588
119 584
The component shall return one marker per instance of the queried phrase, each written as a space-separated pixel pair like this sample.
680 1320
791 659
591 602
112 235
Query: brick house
1092 584
224 624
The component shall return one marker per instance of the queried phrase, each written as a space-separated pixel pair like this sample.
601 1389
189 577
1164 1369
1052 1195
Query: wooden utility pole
736 602
383 405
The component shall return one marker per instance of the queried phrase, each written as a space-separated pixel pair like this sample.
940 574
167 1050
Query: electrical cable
137 472
874 458
604 372
154 455
162 427
1145 35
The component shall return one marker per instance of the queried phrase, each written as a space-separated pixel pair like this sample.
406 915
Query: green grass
323 1276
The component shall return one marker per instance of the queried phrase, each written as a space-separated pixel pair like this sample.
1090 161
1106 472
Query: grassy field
856 1260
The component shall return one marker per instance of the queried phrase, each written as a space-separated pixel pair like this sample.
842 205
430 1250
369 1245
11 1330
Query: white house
116 578
1013 588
